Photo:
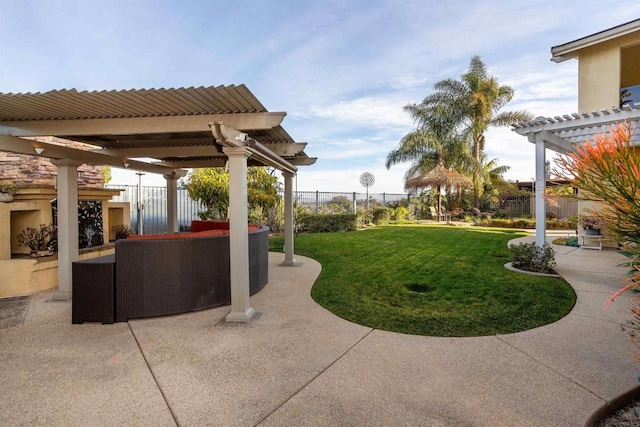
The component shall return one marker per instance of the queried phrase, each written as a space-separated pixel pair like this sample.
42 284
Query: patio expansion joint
314 378
596 318
155 380
571 380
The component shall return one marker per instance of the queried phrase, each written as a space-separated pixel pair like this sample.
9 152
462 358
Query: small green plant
8 188
37 239
589 222
121 231
566 241
531 257
400 213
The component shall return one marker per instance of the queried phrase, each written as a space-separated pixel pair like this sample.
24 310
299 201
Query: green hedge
327 223
552 224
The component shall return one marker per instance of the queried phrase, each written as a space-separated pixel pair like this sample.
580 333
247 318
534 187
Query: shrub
552 224
37 239
531 257
326 223
566 241
364 217
381 215
400 213
121 231
8 188
501 214
588 222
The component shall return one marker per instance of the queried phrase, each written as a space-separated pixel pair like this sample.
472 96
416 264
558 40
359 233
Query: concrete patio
300 365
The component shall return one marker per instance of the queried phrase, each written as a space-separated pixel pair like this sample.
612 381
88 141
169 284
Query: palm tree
474 103
486 173
434 146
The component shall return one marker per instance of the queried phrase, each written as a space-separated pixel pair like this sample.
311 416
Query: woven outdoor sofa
160 275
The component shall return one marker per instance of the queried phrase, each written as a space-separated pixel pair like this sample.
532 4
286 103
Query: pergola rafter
561 134
176 128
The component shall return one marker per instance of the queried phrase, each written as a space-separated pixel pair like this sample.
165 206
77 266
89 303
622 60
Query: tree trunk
439 204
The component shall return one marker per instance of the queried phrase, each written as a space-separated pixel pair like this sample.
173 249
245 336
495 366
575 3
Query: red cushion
197 226
178 235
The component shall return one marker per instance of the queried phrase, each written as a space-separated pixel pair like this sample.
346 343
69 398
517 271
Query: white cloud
374 112
341 70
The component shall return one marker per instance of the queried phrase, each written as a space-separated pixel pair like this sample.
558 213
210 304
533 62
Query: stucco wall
599 73
29 275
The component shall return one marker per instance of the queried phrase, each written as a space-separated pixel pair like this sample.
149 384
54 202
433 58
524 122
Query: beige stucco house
608 92
608 66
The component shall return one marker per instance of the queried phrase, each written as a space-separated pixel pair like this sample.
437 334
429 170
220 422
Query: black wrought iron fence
329 202
151 212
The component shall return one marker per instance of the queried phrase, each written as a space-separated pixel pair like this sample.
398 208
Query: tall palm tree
474 103
432 145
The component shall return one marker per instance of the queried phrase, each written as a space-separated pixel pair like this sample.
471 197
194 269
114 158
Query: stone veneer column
67 188
241 310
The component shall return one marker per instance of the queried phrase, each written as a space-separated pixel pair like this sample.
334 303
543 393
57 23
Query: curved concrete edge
509 266
613 405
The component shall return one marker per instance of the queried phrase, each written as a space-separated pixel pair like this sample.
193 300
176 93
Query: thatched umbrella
438 177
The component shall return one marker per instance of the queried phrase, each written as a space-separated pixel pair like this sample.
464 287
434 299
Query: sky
342 70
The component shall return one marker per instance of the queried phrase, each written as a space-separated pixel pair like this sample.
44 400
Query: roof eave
570 50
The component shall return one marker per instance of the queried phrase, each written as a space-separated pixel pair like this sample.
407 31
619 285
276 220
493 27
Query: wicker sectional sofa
164 274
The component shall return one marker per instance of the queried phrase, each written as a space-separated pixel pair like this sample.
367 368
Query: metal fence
151 212
327 202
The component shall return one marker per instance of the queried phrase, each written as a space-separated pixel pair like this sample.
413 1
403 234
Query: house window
630 75
629 94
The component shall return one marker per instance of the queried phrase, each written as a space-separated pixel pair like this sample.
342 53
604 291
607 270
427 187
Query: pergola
177 128
561 134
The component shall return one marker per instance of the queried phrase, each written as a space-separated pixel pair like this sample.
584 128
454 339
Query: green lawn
430 280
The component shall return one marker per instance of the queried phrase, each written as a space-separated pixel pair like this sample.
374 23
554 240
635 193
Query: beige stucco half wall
30 208
602 71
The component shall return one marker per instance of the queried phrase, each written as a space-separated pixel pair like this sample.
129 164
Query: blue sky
341 69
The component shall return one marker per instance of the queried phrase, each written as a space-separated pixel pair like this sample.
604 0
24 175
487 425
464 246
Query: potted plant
6 192
39 240
121 231
590 225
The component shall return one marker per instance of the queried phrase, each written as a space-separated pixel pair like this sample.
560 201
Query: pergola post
541 214
67 189
241 310
172 202
289 259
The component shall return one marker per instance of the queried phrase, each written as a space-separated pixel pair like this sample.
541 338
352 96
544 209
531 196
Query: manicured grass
430 280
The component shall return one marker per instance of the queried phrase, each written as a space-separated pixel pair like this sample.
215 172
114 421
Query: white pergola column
541 180
172 203
241 310
289 259
67 188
